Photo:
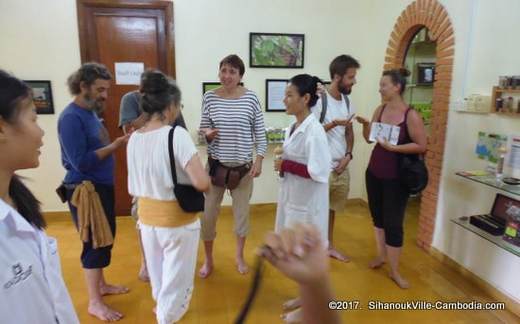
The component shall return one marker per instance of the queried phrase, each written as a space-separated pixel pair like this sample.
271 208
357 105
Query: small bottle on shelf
500 163
509 105
499 104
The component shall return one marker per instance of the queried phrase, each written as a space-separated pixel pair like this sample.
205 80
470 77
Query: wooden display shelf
497 93
508 90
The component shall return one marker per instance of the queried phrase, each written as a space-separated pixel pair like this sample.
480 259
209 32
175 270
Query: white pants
171 256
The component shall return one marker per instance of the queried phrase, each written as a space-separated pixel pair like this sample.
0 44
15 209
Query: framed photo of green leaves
271 50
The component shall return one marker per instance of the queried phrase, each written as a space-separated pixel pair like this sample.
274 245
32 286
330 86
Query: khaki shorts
339 187
240 197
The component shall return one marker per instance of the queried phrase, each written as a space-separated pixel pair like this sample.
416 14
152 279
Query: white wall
483 51
205 32
491 53
40 42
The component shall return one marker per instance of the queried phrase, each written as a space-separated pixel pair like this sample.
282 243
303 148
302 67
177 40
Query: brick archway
432 15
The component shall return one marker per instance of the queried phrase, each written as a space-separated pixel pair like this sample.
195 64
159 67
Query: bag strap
347 101
172 157
324 105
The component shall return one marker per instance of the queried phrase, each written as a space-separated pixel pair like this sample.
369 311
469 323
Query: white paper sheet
276 93
128 73
386 131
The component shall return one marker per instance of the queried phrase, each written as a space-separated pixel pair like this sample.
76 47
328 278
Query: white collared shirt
31 285
303 200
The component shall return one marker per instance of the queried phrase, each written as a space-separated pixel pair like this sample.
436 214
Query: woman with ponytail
387 197
304 168
29 262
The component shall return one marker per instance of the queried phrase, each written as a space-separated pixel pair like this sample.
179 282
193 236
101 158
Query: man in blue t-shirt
87 155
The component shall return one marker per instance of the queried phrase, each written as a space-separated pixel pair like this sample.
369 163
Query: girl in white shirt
304 167
31 285
170 236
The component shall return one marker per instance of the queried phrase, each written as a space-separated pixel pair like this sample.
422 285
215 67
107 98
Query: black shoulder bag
190 200
412 170
413 173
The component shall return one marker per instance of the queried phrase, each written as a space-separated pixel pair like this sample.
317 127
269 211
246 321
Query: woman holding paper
387 198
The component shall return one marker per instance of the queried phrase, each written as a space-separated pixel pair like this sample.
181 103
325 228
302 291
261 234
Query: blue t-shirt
81 133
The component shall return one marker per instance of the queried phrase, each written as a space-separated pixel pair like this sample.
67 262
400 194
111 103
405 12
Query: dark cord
253 291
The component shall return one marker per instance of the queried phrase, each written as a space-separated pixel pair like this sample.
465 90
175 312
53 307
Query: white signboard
128 73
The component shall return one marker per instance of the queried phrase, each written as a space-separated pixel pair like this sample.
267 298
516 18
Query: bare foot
295 316
206 270
143 274
242 266
400 281
113 290
292 304
335 254
103 312
376 263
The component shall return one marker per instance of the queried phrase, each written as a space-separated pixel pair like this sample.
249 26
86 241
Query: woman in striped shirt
233 125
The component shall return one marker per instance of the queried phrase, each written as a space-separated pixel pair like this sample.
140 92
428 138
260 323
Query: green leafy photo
276 50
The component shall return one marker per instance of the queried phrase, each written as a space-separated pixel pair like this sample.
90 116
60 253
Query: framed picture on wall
271 50
425 73
274 94
42 96
207 86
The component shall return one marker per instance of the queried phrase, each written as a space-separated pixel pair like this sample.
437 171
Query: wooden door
125 31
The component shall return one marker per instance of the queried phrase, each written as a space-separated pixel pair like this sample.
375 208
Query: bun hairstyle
398 77
158 92
12 91
307 84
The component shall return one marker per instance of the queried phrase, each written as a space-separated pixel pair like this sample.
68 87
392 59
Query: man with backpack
335 113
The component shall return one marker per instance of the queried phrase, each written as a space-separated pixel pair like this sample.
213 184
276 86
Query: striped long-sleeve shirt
241 127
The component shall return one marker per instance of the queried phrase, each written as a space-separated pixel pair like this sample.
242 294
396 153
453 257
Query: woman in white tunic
303 195
30 272
304 167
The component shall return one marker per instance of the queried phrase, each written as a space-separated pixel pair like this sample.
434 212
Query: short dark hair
12 91
306 84
158 92
341 64
398 77
87 73
235 61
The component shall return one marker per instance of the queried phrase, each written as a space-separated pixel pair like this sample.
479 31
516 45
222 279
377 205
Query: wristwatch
351 156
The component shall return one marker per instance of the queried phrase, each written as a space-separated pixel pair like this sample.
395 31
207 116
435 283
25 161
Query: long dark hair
12 91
